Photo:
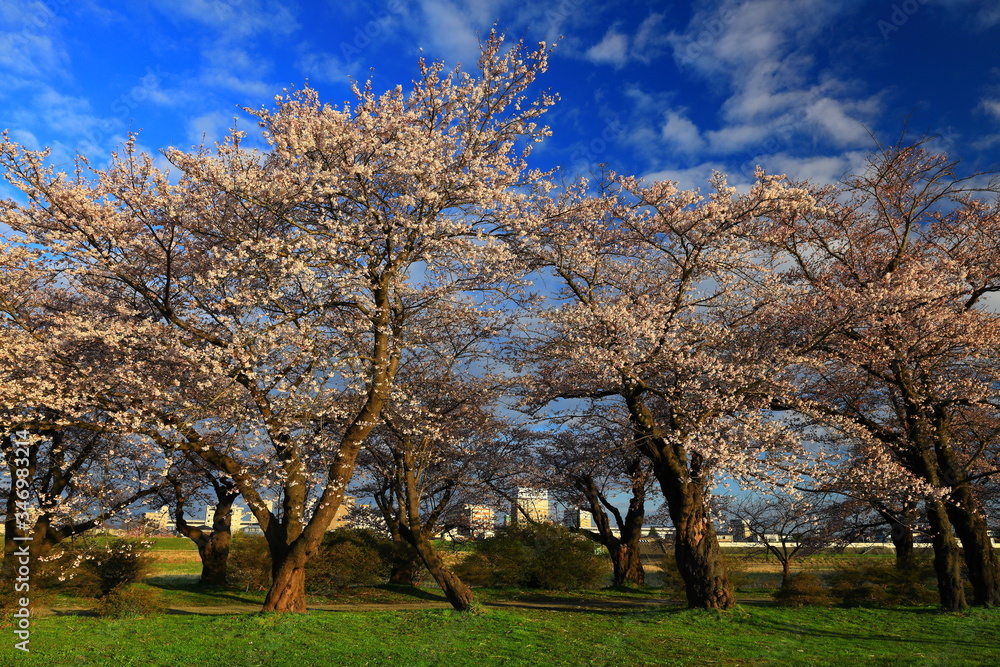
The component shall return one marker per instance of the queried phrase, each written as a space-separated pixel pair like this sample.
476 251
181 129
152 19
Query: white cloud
992 107
819 169
650 39
235 19
611 50
451 26
326 67
681 133
209 127
761 54
29 40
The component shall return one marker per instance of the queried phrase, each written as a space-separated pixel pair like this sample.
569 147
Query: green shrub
536 556
249 562
123 561
128 601
89 568
803 589
880 584
348 557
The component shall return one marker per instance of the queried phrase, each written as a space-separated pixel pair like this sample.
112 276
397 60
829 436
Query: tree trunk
785 563
902 541
214 552
696 547
980 557
402 571
288 582
458 594
625 559
683 483
947 561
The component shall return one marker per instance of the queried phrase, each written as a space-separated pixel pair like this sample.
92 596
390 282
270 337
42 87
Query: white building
576 518
531 503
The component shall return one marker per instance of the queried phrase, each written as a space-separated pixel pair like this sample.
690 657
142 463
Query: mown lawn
667 636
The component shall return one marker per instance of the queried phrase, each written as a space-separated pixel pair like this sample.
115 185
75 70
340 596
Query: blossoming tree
284 285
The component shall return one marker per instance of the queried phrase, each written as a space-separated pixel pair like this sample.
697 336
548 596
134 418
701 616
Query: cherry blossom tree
889 280
591 462
658 290
283 286
67 468
187 478
425 461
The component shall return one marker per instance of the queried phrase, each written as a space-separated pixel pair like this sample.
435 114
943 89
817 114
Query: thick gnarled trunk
683 482
288 583
980 557
627 564
947 560
699 559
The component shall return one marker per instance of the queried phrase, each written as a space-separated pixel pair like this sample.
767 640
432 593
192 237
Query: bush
346 558
123 561
880 584
537 556
128 601
88 568
249 562
803 589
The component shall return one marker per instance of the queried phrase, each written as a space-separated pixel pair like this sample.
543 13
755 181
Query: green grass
743 636
172 544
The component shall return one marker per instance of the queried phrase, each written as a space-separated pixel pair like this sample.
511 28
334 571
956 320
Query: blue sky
668 89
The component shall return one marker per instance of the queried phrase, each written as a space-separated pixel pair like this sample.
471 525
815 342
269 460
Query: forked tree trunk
214 553
403 568
683 483
623 549
947 561
213 546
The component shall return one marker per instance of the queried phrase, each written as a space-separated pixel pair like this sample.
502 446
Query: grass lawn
627 626
667 636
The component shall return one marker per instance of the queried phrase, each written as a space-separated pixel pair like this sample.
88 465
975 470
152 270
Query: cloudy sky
665 89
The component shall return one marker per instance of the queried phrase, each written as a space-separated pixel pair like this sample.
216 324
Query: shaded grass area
743 636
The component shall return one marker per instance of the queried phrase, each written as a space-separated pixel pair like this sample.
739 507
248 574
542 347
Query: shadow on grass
184 584
925 638
412 592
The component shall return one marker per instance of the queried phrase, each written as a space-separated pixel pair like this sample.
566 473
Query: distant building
577 518
242 519
479 519
531 503
740 530
340 518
